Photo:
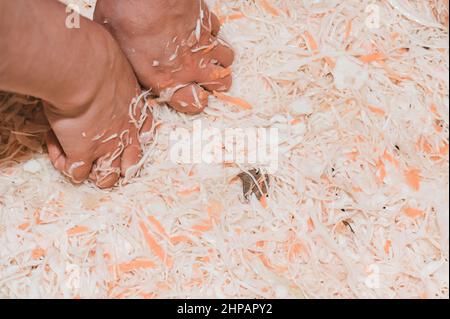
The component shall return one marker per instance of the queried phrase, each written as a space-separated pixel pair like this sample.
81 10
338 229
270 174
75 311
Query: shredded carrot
310 224
353 155
233 100
433 109
24 226
263 201
311 42
231 17
159 228
387 246
381 170
37 253
443 150
295 121
394 35
188 192
133 265
330 62
413 178
348 30
154 246
294 251
372 57
356 189
77 230
175 240
438 128
204 226
269 265
269 8
388 157
215 208
413 212
376 110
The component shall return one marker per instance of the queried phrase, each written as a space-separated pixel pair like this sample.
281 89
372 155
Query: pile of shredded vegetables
358 207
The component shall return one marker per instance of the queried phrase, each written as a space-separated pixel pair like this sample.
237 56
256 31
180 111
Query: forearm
40 56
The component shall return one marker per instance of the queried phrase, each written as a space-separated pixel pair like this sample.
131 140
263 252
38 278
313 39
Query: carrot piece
443 150
24 226
330 62
231 17
381 170
348 30
154 246
311 42
188 192
77 230
310 224
175 240
233 100
372 57
294 251
433 109
133 265
413 178
387 246
269 265
214 209
157 225
413 212
376 110
269 8
37 253
353 155
388 157
204 226
263 201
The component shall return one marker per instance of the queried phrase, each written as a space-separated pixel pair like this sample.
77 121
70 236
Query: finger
55 151
77 170
215 78
211 22
191 99
215 24
131 156
223 54
106 174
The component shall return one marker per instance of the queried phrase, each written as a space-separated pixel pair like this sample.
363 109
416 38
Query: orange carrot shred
269 8
24 226
263 201
77 230
175 240
372 57
159 228
413 178
188 192
387 246
154 246
134 265
413 212
37 253
311 42
231 17
233 100
376 110
348 30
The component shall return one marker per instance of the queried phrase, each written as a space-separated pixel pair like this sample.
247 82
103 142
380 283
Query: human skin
171 49
85 80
